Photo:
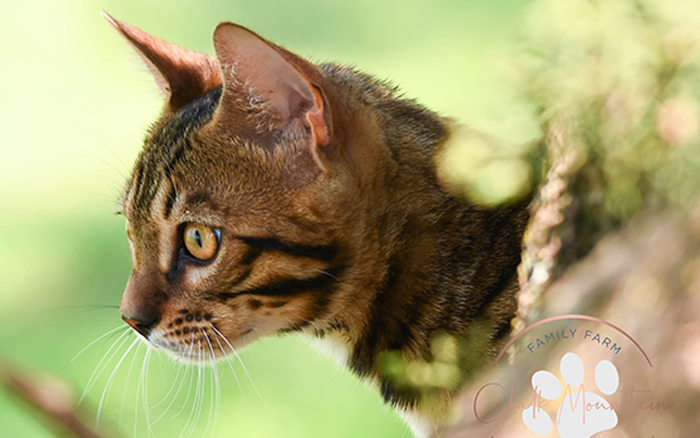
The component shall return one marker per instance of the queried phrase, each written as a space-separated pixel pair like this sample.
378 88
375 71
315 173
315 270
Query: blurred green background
74 105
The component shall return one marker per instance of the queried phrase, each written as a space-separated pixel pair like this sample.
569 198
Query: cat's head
246 203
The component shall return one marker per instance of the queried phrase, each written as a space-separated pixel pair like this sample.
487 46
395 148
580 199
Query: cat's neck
431 262
442 272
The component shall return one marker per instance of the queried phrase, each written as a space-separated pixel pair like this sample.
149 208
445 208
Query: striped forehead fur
166 148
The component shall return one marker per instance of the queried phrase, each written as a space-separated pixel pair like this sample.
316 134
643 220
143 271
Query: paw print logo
581 414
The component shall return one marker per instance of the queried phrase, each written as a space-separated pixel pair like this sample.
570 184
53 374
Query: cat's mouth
194 336
199 345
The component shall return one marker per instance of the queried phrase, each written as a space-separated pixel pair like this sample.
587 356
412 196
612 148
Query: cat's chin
191 359
188 355
199 353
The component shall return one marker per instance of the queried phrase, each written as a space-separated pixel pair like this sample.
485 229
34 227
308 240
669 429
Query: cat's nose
140 306
143 324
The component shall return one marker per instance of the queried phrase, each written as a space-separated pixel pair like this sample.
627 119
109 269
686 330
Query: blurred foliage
432 381
615 83
615 91
488 171
615 88
453 361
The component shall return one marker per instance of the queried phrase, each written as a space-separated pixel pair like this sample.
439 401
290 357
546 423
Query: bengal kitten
275 195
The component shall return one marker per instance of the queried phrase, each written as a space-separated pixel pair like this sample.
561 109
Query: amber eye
201 241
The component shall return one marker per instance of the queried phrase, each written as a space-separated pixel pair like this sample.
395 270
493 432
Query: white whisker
190 418
128 379
190 373
217 407
326 273
146 409
123 327
177 387
172 388
242 365
214 381
235 376
100 368
138 393
110 381
200 403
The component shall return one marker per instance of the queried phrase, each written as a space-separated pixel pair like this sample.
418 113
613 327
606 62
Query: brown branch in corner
52 400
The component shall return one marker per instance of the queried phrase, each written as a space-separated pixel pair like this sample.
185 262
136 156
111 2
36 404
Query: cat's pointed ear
255 67
181 74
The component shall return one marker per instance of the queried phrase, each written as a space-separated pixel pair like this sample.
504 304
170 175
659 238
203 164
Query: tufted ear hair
183 75
289 86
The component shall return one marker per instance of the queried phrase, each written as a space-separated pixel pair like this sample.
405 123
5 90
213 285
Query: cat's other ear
255 67
183 75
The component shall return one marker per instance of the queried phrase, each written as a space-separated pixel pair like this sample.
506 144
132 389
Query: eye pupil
201 241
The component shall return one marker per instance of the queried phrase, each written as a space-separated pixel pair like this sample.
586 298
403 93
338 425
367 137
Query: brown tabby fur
332 219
